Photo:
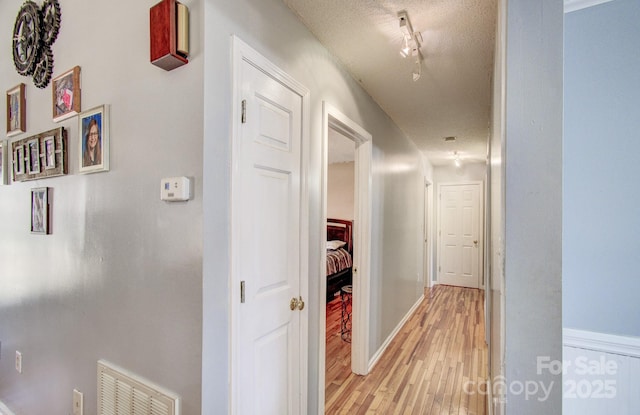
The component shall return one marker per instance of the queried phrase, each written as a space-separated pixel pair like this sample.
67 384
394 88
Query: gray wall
533 200
396 278
601 169
120 277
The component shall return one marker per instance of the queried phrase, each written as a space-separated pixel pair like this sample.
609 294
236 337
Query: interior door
266 246
460 235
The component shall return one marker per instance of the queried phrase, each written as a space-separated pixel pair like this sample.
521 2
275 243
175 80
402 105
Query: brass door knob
296 303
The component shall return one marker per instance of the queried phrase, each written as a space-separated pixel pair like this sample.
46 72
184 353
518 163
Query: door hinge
244 111
439 268
242 291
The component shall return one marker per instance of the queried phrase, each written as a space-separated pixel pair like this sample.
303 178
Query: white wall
120 277
494 293
340 190
533 201
468 172
270 28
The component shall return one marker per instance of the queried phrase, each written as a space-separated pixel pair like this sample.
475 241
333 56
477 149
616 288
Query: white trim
573 5
601 342
334 119
394 333
427 234
242 52
4 410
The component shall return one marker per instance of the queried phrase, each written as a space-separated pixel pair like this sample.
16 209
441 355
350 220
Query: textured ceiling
453 95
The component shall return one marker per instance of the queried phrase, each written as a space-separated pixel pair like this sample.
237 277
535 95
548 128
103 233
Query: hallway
439 352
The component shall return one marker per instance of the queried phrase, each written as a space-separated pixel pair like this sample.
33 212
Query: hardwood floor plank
424 370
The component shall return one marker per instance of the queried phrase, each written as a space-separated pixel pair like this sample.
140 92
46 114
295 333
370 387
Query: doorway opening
336 123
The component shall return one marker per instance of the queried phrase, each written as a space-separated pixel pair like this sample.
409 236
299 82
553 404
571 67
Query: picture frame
33 156
66 94
40 210
3 162
18 161
49 153
40 156
16 110
93 143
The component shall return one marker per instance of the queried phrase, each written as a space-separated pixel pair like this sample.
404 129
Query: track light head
411 43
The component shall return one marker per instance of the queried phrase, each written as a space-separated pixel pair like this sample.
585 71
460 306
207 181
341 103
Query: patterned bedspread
337 260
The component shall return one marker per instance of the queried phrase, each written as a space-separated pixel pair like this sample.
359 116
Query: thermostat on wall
175 189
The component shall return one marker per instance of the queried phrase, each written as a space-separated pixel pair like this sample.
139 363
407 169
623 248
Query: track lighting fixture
417 70
411 44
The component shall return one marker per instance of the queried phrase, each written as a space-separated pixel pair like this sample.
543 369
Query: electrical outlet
18 362
77 402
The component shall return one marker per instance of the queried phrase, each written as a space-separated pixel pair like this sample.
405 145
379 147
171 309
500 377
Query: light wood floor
424 370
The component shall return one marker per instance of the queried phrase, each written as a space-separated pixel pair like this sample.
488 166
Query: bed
339 255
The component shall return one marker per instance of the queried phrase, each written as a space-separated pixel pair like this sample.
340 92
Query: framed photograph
66 95
3 162
18 161
33 156
40 210
50 153
93 145
16 111
40 156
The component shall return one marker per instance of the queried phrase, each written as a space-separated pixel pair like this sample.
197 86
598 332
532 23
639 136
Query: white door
267 248
460 241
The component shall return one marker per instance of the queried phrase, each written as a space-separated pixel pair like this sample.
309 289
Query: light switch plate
77 402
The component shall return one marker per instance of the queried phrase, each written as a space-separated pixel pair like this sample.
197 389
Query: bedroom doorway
335 122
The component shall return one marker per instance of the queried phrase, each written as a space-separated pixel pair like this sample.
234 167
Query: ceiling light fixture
411 44
456 159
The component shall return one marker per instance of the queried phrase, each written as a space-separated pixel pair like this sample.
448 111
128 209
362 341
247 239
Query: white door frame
244 53
480 228
334 119
427 240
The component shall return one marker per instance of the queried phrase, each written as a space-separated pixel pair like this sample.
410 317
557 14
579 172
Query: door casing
332 118
480 267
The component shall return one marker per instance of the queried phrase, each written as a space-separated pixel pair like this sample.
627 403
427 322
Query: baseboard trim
4 410
601 342
573 5
381 350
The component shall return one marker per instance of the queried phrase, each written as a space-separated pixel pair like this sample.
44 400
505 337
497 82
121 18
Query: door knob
475 242
296 303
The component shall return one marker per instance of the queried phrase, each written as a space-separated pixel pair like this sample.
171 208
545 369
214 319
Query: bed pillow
333 245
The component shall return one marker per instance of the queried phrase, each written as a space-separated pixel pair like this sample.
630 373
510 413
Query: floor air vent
127 394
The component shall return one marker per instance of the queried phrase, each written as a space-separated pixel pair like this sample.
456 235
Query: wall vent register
122 393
